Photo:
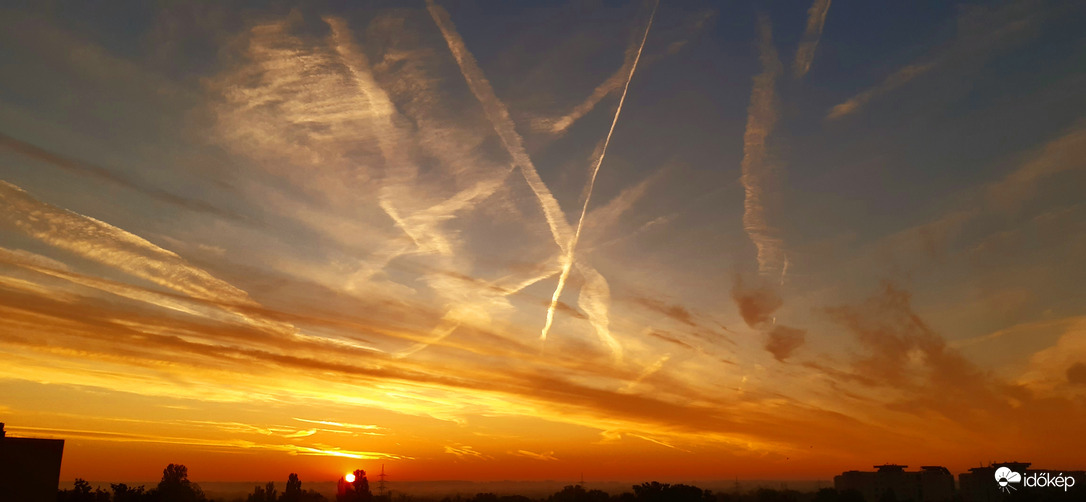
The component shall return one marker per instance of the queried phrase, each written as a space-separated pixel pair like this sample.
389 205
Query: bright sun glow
349 478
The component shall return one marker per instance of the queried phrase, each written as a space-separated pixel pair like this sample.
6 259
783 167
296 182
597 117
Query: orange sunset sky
534 240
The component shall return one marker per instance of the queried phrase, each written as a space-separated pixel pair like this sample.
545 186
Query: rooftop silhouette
29 468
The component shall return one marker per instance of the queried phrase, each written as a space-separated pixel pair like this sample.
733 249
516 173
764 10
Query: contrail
816 19
440 332
973 44
503 125
567 260
498 114
612 84
784 269
895 80
422 226
761 118
594 300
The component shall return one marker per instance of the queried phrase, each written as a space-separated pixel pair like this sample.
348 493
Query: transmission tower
381 481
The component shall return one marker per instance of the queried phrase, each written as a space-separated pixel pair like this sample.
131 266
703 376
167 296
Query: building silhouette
29 468
892 482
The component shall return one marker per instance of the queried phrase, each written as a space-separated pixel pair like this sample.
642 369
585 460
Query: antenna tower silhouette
381 481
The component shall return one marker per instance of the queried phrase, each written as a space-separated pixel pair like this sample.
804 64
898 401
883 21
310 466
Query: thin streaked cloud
758 164
816 20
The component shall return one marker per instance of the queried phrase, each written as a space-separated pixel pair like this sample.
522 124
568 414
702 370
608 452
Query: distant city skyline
528 241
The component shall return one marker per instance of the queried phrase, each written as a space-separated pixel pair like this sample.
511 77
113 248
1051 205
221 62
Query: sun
349 478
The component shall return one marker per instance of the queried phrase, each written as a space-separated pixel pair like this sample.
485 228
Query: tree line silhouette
176 487
663 492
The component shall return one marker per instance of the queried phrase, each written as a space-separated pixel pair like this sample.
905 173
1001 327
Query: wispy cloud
563 235
37 153
648 371
1051 369
895 80
613 84
422 226
1065 153
503 124
981 29
756 304
544 456
816 19
99 241
606 216
416 388
595 301
558 125
568 258
757 163
231 444
465 452
658 441
366 427
782 341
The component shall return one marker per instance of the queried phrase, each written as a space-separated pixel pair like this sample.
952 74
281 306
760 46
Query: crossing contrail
503 125
567 260
499 117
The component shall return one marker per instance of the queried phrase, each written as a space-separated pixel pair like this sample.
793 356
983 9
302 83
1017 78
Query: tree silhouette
577 493
657 492
356 491
293 491
484 497
82 492
124 493
263 494
176 487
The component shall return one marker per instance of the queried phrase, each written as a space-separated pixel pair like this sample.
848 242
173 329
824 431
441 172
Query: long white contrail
567 260
498 114
757 166
503 125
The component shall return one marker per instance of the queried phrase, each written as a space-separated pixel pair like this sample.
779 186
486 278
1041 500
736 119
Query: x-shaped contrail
498 114
567 260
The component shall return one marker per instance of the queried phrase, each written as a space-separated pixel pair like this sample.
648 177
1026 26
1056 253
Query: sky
540 240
